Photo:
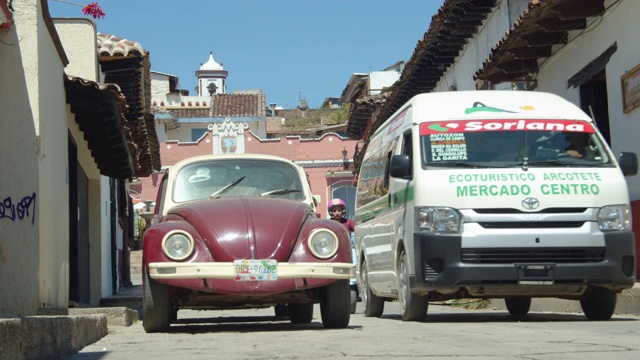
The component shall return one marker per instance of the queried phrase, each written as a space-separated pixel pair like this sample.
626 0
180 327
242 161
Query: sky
291 49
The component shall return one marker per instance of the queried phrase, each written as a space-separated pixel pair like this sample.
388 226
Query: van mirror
400 167
628 163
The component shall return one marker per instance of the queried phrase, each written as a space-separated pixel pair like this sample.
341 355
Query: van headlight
614 218
438 219
177 245
323 243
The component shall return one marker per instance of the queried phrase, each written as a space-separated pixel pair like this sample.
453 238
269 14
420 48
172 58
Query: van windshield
494 143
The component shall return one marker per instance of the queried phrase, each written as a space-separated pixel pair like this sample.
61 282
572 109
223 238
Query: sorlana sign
505 125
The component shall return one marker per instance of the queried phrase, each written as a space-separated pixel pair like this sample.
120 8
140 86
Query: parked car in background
241 231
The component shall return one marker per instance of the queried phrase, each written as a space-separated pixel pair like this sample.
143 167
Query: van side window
407 147
385 183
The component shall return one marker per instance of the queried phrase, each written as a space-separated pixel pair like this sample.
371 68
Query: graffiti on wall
21 210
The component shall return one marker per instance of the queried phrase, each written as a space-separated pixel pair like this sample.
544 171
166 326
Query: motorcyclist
338 212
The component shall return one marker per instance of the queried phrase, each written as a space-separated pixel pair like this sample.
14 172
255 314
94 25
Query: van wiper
465 164
224 189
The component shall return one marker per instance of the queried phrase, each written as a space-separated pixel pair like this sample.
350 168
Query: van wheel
157 312
518 306
373 306
334 309
598 303
413 306
354 301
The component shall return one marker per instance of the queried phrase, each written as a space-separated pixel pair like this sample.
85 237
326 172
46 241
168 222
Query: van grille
432 268
531 224
551 255
543 211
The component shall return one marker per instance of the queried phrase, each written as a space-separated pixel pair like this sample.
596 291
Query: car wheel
413 307
157 312
335 309
598 303
518 306
373 306
281 310
300 313
354 300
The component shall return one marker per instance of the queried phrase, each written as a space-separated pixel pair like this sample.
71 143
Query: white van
492 194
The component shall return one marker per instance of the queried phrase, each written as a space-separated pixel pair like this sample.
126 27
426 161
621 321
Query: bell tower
211 78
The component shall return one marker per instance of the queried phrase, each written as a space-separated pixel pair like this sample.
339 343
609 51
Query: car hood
246 228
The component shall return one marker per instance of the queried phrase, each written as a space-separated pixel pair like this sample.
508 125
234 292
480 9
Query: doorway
78 228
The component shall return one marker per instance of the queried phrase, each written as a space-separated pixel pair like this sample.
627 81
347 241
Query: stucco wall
19 186
48 101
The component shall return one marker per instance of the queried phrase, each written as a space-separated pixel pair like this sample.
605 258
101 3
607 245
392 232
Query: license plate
255 270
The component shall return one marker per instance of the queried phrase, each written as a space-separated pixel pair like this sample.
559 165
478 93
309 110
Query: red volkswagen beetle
238 232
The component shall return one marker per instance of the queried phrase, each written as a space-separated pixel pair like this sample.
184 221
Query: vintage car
238 232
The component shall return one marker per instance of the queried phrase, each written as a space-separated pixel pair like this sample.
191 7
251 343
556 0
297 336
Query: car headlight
177 245
323 243
614 218
438 219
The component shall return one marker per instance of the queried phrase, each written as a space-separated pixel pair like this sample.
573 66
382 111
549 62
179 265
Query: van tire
413 306
354 301
598 303
518 306
373 306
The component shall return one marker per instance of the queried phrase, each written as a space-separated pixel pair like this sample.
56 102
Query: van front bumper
444 266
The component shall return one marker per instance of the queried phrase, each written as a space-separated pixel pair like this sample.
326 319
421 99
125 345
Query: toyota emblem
530 203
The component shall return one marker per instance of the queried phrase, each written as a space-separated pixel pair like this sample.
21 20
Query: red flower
94 10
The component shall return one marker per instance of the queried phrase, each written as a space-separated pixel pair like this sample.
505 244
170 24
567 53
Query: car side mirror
628 163
400 167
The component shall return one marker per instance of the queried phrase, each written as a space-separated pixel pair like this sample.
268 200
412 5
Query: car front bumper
226 270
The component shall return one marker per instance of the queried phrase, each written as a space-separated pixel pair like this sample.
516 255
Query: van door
401 204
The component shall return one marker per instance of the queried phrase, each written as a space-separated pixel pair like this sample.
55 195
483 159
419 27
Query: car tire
281 310
157 312
413 307
373 306
518 306
300 313
335 309
598 303
354 300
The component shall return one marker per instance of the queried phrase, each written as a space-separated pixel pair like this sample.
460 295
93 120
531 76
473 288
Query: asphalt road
446 332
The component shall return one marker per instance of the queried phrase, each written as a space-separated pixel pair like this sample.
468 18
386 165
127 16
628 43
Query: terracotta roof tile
110 45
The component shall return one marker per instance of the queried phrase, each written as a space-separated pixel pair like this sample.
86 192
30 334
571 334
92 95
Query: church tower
211 78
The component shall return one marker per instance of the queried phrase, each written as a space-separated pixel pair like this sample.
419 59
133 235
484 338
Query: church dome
211 64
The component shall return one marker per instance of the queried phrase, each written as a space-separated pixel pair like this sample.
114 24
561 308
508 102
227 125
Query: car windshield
500 143
237 177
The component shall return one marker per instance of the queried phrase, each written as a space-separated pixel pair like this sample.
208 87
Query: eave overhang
99 110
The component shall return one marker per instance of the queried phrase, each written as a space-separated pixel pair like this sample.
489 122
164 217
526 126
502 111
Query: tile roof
221 105
110 45
544 24
99 112
127 64
238 105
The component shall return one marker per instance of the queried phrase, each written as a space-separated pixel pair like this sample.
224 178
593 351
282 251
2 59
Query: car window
233 178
